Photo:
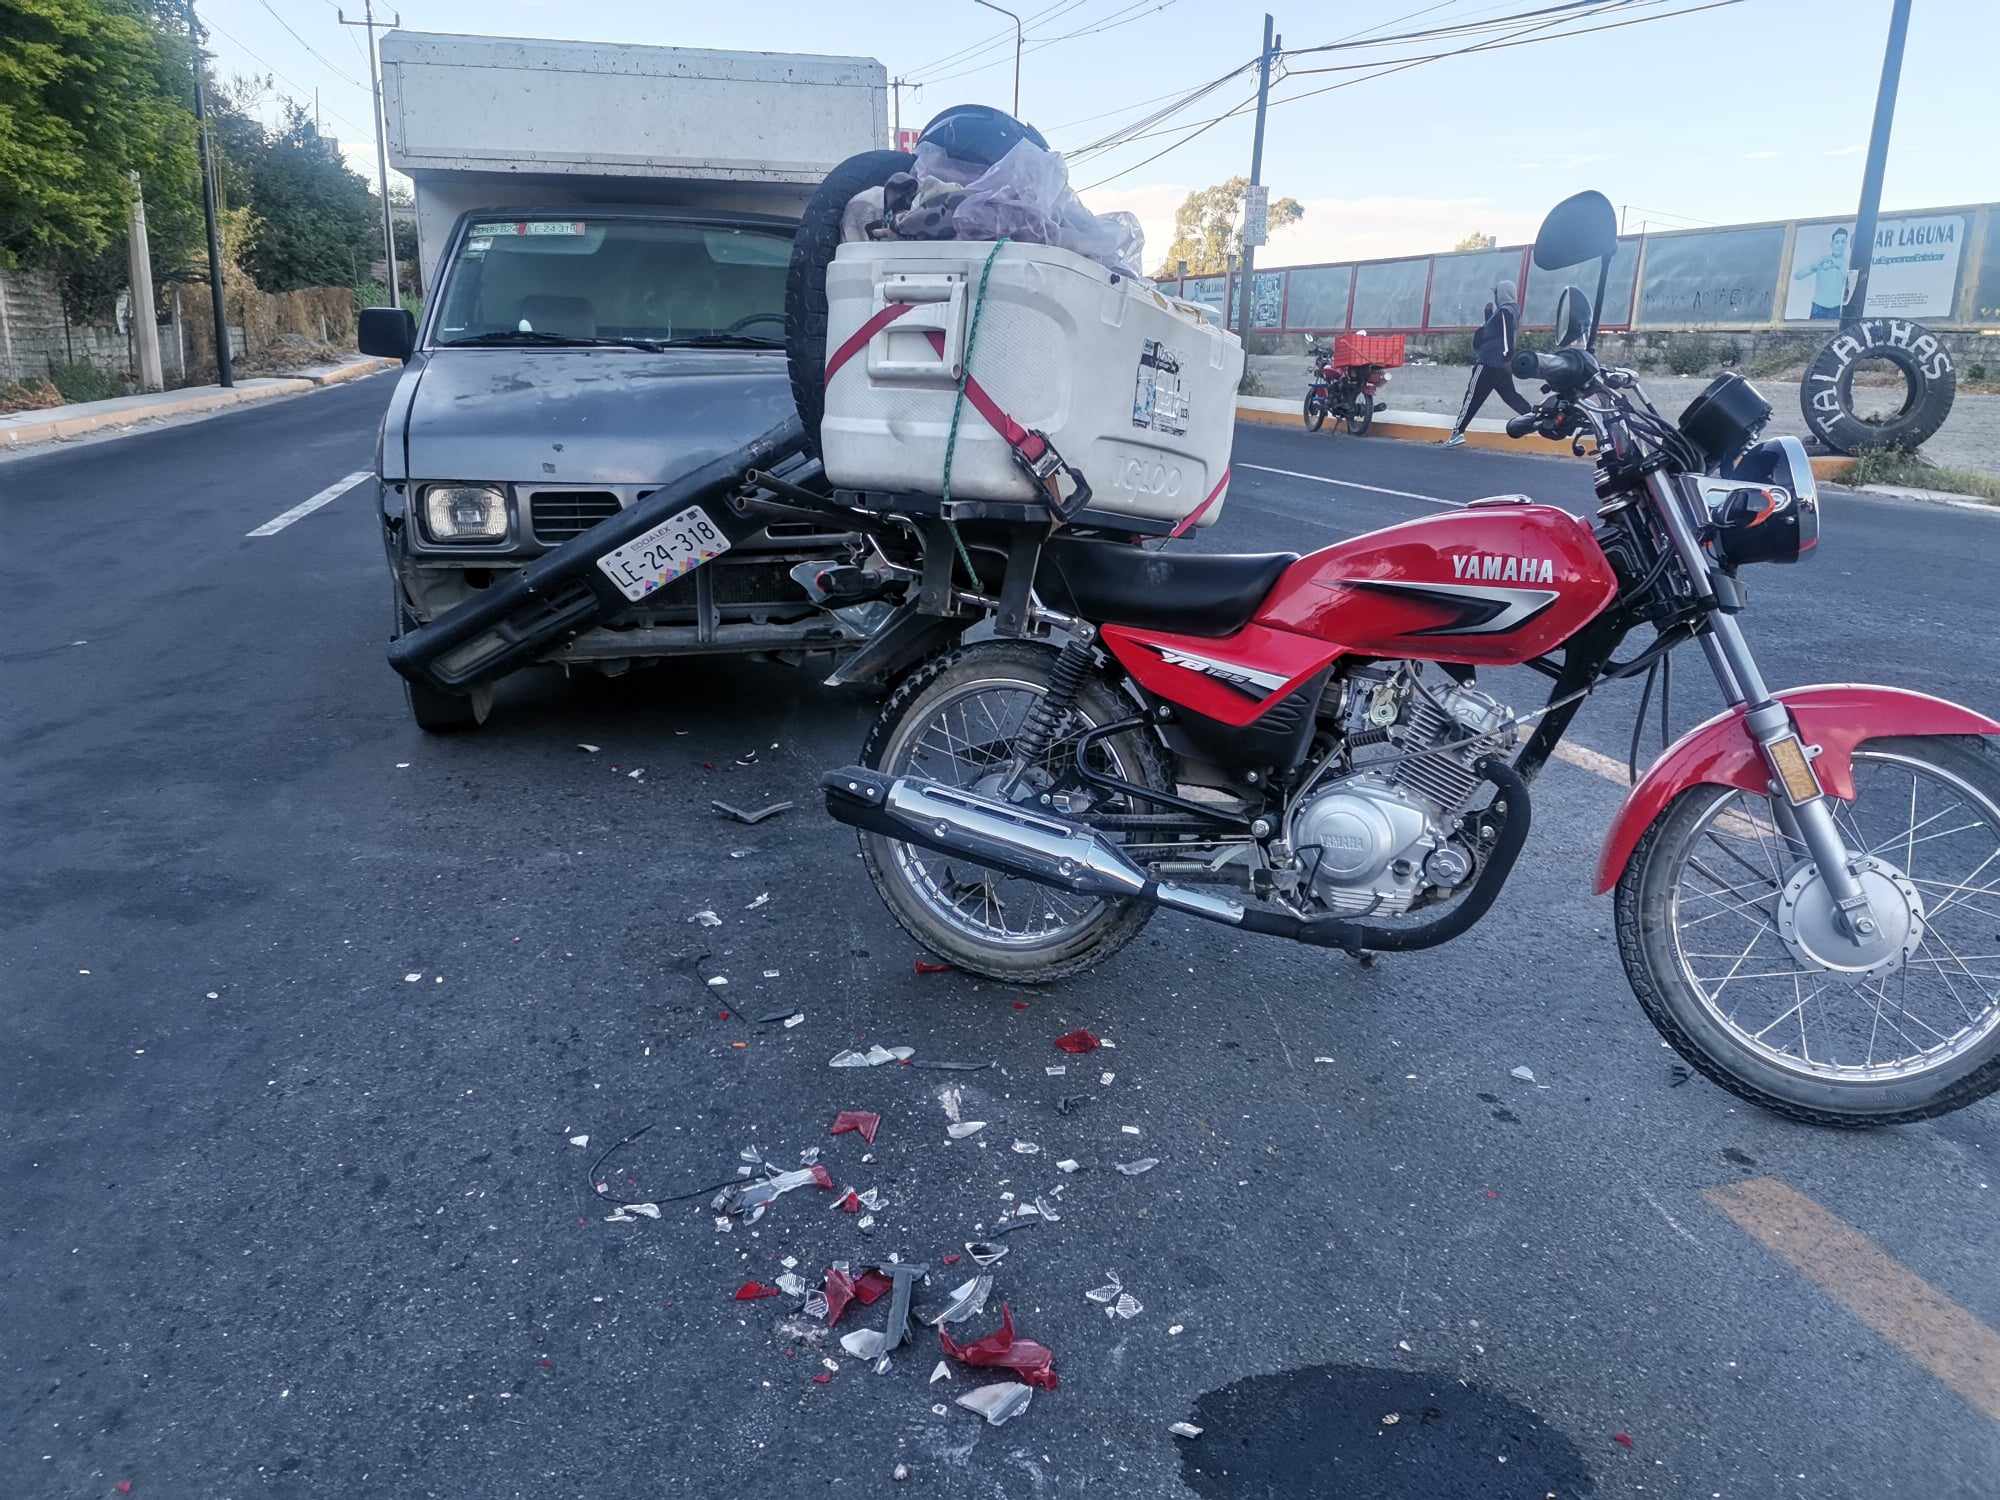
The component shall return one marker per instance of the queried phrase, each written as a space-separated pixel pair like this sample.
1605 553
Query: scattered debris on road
752 818
857 1121
1077 1042
1184 1429
874 1057
1001 1350
998 1403
1525 1074
1135 1168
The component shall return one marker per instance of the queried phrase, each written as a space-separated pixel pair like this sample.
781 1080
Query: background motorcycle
1341 390
1808 885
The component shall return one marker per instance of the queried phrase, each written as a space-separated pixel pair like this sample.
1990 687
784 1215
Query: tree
1206 228
90 91
313 214
1476 241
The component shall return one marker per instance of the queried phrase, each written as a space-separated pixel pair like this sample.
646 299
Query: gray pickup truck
570 361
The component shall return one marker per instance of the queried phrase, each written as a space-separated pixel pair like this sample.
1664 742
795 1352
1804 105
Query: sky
1745 111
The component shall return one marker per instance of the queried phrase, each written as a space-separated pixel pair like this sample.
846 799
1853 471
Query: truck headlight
464 513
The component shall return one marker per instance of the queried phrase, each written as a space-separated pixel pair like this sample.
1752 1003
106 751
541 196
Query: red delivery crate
1384 349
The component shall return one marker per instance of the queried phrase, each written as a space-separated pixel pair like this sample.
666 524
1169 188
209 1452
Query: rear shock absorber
1045 718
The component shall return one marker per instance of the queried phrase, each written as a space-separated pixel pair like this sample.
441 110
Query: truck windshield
605 280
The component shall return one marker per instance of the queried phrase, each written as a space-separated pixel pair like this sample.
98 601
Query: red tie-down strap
1194 516
859 339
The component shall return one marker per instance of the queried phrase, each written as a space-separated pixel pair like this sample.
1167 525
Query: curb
1429 427
128 412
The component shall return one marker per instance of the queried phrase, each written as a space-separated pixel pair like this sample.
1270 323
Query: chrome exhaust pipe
1001 836
1071 857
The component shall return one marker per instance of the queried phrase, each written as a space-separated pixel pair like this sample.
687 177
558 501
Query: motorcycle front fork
1798 803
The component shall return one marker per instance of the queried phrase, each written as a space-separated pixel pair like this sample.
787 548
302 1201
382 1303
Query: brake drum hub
1812 926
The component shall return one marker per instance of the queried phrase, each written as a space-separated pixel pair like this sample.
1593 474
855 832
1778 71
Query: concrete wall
1743 277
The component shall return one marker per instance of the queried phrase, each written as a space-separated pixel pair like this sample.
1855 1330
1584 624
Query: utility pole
1256 178
145 325
381 140
223 371
1861 251
1017 49
896 114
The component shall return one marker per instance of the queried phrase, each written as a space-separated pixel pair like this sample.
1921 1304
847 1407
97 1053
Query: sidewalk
1970 438
61 423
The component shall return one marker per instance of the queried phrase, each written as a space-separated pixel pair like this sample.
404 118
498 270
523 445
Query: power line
1198 130
1456 28
209 25
349 77
1381 71
1107 23
996 39
1131 130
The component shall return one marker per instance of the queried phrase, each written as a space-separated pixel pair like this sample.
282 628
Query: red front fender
1835 716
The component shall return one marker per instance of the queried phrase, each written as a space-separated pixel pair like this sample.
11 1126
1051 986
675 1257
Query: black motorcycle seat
1190 593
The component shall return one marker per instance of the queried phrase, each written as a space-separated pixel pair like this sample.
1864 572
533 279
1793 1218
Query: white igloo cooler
1134 388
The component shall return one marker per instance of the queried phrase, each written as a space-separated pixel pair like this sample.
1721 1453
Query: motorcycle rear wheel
1315 411
1717 927
1360 414
955 721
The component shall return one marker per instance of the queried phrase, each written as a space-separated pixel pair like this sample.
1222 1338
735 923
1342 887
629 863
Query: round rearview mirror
1577 229
1572 317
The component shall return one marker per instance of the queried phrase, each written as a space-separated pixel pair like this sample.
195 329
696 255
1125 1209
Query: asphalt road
302 1009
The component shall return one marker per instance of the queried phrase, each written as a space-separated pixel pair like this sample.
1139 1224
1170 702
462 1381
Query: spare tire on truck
805 282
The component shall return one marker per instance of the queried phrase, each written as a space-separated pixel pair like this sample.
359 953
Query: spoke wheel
1315 411
1737 954
958 723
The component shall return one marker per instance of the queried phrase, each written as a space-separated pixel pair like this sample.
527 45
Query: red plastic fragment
950 1260
1491 1193
839 1292
722 1015
870 1285
1077 1041
1020 1005
1622 1439
931 966
821 1177
124 1486
1000 1350
822 1378
546 1363
858 1120
750 1291
851 1204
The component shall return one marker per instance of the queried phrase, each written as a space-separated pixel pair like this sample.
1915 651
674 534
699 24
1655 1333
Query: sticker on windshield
531 227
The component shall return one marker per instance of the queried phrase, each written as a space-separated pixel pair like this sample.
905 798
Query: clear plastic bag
1025 196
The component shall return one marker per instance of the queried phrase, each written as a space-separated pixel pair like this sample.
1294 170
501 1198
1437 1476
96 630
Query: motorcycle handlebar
1565 367
1521 426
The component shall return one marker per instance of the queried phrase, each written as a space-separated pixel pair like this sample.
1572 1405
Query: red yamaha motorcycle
1807 886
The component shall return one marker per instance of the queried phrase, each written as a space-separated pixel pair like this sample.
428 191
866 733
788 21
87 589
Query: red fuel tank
1499 582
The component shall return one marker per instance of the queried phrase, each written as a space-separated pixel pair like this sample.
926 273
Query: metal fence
1940 265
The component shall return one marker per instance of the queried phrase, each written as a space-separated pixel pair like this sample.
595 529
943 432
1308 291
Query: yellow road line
1855 1272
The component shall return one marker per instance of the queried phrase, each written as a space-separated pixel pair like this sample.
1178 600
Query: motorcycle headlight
1764 507
464 513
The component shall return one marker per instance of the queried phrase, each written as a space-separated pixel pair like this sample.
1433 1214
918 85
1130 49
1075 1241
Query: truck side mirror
390 332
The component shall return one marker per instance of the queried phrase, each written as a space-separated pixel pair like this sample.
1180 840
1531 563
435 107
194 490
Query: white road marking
1373 489
304 508
1586 759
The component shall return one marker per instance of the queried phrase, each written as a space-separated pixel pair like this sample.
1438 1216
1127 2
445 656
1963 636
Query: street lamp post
1017 48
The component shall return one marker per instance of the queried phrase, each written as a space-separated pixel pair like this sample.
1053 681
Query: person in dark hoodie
1492 348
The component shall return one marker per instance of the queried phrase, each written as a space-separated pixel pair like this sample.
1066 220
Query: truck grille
558 515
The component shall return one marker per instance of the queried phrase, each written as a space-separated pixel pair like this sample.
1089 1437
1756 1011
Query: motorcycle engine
1383 837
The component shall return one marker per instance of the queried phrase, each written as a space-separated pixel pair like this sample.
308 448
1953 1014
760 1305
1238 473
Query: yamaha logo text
1498 569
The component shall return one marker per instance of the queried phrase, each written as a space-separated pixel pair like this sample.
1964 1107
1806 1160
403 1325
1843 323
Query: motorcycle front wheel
1315 411
1738 957
956 721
